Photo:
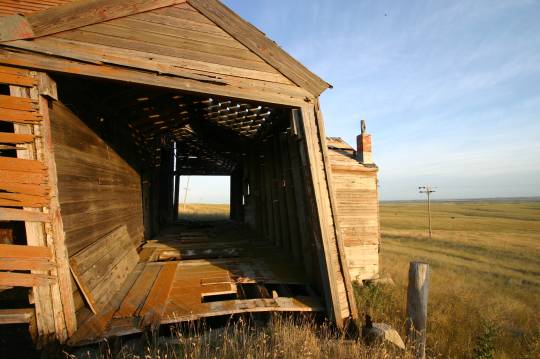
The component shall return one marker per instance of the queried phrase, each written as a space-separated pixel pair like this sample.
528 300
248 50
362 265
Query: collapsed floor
191 273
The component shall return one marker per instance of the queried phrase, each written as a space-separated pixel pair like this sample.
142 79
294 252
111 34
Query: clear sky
450 90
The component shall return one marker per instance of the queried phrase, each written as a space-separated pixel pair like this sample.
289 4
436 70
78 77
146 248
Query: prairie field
484 274
203 212
484 296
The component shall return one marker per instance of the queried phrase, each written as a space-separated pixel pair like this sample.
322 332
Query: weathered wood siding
356 193
98 190
177 41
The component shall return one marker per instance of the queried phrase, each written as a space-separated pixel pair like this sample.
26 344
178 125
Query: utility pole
428 190
185 193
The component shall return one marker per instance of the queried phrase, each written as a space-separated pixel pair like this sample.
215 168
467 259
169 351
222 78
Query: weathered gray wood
417 300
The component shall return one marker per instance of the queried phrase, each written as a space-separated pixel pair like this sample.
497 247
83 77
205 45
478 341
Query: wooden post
417 300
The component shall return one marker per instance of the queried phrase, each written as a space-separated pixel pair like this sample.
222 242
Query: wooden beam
15 138
248 90
13 251
12 279
12 214
16 316
63 291
323 231
256 41
74 15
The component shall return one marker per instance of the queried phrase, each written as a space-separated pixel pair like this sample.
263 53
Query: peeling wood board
101 268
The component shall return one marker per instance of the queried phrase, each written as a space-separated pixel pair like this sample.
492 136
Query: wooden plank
15 27
154 307
11 214
64 301
249 90
11 264
41 296
326 265
20 164
24 188
344 266
18 77
257 42
137 295
22 200
76 14
6 137
18 103
101 268
16 116
12 279
24 252
16 316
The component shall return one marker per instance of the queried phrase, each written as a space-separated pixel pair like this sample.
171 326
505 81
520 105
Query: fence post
417 300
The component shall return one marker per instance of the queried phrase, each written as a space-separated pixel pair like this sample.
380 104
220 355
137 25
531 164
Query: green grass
485 268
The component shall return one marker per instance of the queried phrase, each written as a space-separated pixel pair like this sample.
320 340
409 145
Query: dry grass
203 212
283 337
485 270
484 291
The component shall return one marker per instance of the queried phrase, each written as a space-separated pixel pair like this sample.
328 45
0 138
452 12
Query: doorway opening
203 198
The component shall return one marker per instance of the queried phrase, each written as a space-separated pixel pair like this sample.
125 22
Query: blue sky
450 90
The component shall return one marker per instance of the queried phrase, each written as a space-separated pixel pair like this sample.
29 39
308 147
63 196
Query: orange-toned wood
18 103
12 214
24 252
16 138
17 116
22 165
11 279
157 298
137 295
22 200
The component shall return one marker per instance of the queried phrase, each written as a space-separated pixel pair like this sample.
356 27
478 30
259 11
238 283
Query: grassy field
485 274
203 212
484 299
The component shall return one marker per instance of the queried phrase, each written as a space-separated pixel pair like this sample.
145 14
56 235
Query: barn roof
33 20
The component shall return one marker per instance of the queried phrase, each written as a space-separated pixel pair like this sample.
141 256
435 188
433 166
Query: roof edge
77 14
252 38
73 15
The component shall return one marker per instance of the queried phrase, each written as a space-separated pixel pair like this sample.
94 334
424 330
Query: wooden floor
189 273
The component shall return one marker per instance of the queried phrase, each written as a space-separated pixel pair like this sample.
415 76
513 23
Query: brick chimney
363 146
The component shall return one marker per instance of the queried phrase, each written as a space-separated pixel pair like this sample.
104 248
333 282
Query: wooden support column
63 301
154 200
40 296
280 184
236 194
290 199
344 264
54 304
272 194
176 197
165 186
333 267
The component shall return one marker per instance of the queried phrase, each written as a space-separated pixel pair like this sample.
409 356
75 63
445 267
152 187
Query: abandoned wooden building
104 104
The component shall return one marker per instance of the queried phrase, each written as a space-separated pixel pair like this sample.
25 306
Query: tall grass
282 337
484 297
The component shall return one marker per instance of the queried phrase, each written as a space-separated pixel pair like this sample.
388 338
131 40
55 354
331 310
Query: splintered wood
101 268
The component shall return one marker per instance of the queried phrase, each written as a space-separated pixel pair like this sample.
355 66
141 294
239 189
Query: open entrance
124 154
203 198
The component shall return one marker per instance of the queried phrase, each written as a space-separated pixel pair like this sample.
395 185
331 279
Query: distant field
485 262
203 212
